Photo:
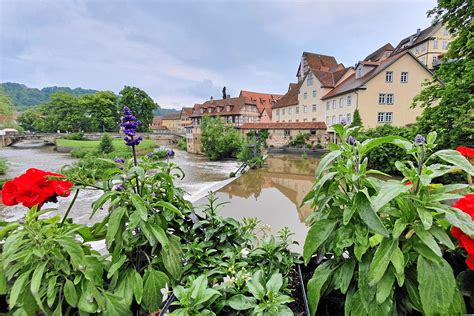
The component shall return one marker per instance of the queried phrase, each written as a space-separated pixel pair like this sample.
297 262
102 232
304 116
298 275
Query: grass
119 145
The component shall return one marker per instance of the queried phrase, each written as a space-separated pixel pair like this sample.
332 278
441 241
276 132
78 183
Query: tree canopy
7 110
219 141
141 104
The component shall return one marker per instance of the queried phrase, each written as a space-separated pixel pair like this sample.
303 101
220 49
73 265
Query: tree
141 104
102 111
106 146
224 93
66 113
219 141
7 110
448 99
356 120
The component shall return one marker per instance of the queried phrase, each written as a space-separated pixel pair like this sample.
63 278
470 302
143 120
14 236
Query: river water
272 194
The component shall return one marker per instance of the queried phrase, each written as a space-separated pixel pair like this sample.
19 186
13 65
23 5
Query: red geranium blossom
34 187
465 204
466 151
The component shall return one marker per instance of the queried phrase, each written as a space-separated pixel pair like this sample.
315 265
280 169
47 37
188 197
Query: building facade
171 121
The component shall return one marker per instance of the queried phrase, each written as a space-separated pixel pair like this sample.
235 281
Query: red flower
34 187
466 151
465 204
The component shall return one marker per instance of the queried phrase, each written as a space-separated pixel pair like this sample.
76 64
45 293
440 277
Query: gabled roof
172 116
329 79
352 83
422 36
290 98
378 54
235 104
187 110
264 101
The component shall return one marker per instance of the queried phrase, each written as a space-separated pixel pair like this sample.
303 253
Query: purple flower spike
129 126
343 122
351 140
119 160
419 139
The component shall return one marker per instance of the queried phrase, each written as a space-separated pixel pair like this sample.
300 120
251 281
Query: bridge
162 138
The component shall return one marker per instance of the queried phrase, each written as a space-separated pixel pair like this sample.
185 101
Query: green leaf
170 207
426 252
368 215
70 293
36 282
116 265
442 236
381 259
275 283
370 144
159 234
115 305
140 206
345 274
398 228
52 291
3 281
198 286
240 302
137 285
389 191
398 260
17 288
153 282
115 220
326 161
317 235
429 240
455 158
436 284
101 201
316 284
384 287
171 256
255 286
425 217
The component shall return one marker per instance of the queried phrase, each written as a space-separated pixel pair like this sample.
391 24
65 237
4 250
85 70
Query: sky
182 52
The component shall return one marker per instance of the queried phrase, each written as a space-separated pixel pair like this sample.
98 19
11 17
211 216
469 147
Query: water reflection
273 194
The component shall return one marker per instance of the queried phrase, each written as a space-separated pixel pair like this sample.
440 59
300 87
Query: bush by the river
3 166
218 140
182 144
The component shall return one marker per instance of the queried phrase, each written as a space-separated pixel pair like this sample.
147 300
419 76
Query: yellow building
427 45
172 121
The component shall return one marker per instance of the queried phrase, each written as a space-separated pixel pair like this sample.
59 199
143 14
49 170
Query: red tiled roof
278 125
320 62
187 110
172 116
378 54
264 101
290 98
352 83
329 79
235 104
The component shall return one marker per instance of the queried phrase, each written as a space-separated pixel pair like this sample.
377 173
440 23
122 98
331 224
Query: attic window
218 109
309 80
202 111
227 108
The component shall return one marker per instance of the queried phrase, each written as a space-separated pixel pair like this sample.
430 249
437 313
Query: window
349 118
289 121
305 95
283 112
289 111
385 98
309 80
305 120
328 120
227 108
297 109
349 100
297 120
340 118
314 93
341 102
445 44
435 59
333 104
314 119
314 107
446 32
404 77
334 119
359 72
423 47
389 76
287 132
384 117
278 112
328 105
202 111
312 132
435 44
305 109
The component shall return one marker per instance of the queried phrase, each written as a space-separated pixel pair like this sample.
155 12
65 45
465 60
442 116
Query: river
272 194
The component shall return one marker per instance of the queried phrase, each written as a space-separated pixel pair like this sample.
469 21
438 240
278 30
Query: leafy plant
182 144
105 145
382 241
219 141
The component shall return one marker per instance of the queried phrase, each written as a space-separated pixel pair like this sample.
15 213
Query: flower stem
135 162
69 208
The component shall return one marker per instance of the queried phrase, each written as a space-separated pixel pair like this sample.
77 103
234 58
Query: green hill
162 112
24 97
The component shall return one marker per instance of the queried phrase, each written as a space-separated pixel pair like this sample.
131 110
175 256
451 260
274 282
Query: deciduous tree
141 104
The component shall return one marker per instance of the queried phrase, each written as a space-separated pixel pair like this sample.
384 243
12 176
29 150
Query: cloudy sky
182 52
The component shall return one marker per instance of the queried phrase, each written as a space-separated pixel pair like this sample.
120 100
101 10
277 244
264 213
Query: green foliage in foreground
3 166
219 141
383 240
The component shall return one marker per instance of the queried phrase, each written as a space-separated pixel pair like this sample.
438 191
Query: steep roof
329 79
289 98
279 125
378 54
187 110
319 61
235 104
417 39
352 83
264 101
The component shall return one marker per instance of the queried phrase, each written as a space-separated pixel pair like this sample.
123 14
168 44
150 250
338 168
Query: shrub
299 140
105 145
219 141
182 144
158 154
3 166
383 241
81 152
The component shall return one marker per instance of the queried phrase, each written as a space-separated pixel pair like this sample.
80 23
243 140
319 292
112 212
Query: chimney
212 98
411 41
418 31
